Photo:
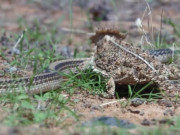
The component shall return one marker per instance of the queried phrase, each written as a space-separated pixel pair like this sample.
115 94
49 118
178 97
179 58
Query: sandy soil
123 16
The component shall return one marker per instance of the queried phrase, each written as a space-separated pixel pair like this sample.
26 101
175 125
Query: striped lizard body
43 82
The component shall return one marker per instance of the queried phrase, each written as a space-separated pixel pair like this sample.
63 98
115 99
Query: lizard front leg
110 88
110 85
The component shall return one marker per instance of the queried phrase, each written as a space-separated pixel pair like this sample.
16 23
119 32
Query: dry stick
141 28
19 39
108 38
150 13
139 25
112 102
144 14
77 31
15 46
160 32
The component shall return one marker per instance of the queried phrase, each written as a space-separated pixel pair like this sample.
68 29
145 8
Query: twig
112 102
150 14
19 40
77 31
144 14
160 31
140 26
139 57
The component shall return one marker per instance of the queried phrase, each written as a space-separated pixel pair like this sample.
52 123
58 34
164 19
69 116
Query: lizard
110 59
127 64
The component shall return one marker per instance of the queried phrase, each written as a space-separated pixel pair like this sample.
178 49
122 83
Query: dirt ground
124 17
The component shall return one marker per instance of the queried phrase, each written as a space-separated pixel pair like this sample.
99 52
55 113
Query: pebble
168 112
137 102
141 113
165 102
11 69
96 107
109 121
146 122
87 105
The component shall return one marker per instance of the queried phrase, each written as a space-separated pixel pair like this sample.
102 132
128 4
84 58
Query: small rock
87 105
141 113
95 107
137 102
15 51
165 102
11 70
109 121
168 112
134 111
146 122
166 121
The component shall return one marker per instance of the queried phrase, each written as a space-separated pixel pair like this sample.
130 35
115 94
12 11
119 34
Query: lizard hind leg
171 88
